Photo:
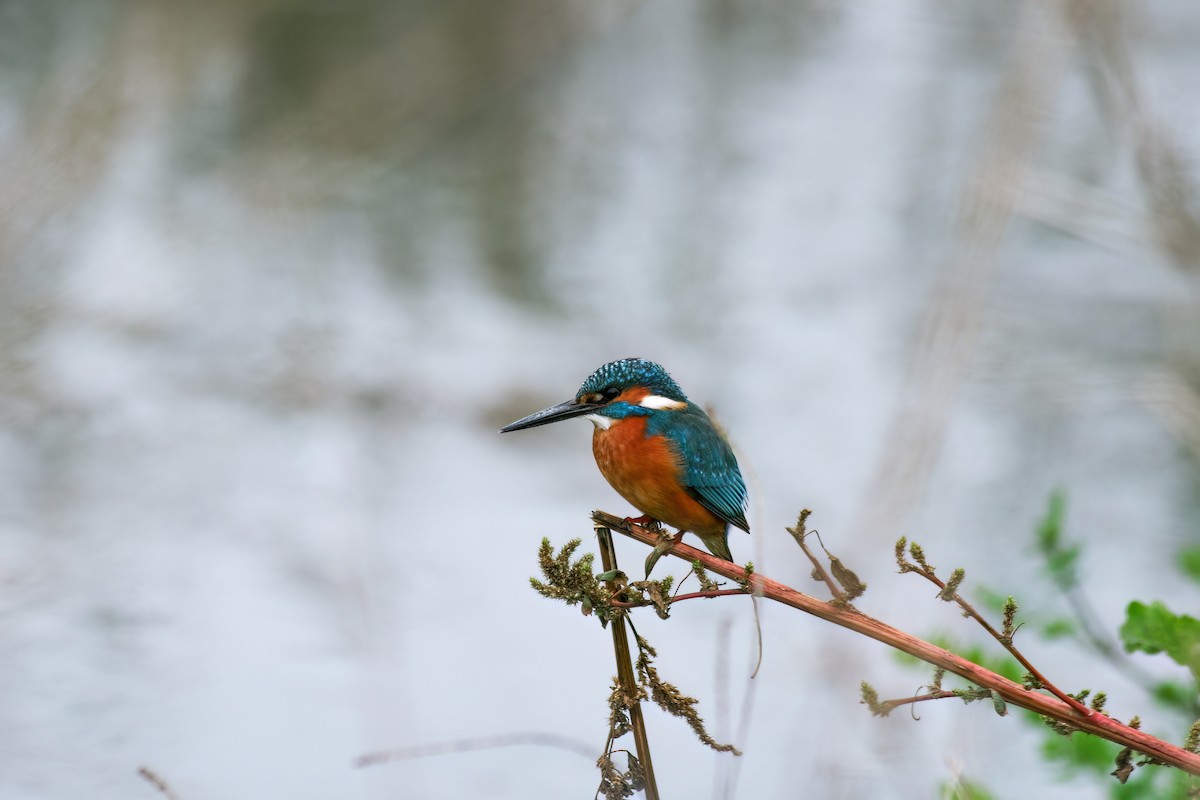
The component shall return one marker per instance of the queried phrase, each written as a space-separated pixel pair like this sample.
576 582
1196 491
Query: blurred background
273 272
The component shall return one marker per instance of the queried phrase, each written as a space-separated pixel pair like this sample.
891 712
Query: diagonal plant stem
800 533
608 557
1052 707
678 597
1005 641
155 780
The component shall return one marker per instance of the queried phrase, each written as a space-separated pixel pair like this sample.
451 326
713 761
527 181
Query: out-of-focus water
273 273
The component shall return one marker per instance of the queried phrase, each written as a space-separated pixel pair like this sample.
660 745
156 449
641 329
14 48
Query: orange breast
646 472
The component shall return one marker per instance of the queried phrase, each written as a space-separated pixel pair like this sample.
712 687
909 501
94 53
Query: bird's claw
646 521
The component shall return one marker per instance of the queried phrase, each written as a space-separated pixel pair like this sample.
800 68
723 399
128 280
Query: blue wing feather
711 473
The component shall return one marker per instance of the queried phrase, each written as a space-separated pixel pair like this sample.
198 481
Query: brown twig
799 533
678 597
888 706
157 782
1052 707
608 558
926 572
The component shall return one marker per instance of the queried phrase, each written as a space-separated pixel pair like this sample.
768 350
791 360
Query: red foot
646 521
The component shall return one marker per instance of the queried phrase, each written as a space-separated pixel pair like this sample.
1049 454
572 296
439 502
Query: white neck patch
601 422
660 403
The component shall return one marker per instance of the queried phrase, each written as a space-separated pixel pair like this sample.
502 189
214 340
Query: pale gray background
272 273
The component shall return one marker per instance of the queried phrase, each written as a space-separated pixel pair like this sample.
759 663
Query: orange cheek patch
634 396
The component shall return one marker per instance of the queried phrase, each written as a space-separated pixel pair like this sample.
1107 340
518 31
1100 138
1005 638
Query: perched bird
660 451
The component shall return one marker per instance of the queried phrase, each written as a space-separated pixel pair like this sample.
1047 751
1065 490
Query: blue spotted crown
629 372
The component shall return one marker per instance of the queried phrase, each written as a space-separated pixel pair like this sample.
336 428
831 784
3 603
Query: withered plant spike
1124 762
1192 742
800 533
608 557
670 699
1051 707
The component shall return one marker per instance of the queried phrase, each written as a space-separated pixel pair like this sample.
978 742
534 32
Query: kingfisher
659 450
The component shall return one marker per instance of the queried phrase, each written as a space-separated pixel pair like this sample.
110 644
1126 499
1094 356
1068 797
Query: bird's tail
717 544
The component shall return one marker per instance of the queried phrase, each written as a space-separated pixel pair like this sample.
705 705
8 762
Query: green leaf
1061 558
963 789
990 599
665 542
998 661
1150 784
1156 629
1175 694
1080 752
1058 628
1189 562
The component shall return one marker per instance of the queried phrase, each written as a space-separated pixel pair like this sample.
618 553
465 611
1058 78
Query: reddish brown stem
677 598
1048 706
799 534
1005 642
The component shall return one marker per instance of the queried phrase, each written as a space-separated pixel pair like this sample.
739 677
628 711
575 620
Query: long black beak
552 414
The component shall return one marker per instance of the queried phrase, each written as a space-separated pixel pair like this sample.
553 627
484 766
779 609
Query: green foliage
1000 663
1175 695
998 704
963 789
1078 755
1150 628
1058 628
1189 562
1048 627
1155 629
990 599
1061 557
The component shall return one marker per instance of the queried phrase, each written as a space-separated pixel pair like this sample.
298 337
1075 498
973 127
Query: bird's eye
611 393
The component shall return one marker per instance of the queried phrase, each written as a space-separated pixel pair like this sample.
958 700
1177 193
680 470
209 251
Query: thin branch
799 533
678 597
888 706
530 738
157 782
926 572
625 675
1056 709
